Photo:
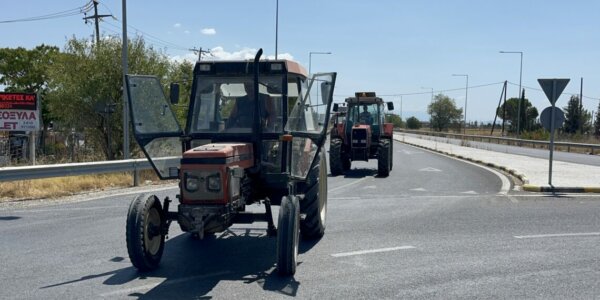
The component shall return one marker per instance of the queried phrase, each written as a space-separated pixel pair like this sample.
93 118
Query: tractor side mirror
336 107
325 90
390 105
174 94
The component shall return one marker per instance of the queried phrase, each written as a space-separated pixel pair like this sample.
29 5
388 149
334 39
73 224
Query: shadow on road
192 268
360 173
9 218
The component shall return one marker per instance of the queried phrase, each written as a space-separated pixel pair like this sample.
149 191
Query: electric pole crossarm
97 19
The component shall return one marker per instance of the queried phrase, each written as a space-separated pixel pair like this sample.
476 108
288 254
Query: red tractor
253 135
361 135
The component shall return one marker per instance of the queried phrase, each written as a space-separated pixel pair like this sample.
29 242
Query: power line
540 90
150 37
429 92
61 14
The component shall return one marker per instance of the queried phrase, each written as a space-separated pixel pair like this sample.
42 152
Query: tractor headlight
192 183
213 182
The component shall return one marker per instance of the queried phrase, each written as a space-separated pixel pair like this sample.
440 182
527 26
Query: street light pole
310 59
276 25
466 95
520 82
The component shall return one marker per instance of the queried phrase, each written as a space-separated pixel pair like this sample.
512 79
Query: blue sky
390 47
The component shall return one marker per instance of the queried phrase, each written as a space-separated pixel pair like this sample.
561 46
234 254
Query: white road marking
430 169
344 254
470 192
370 187
348 184
419 190
557 235
163 283
505 182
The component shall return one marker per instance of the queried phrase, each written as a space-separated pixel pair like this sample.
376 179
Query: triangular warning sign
547 86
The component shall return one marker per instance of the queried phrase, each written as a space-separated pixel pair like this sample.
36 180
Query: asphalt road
435 228
578 158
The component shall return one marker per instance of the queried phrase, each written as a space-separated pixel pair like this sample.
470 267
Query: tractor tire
335 157
145 240
314 204
383 159
288 234
391 154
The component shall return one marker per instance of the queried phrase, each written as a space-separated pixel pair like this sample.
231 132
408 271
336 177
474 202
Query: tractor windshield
227 104
366 114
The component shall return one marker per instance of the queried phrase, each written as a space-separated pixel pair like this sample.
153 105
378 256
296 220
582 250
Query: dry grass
65 186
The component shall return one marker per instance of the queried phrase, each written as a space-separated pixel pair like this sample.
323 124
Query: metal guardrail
73 169
509 141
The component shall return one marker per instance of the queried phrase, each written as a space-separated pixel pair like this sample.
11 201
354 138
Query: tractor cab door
154 125
308 123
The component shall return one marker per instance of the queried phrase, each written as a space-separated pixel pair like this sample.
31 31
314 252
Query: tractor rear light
204 67
213 183
192 183
276 67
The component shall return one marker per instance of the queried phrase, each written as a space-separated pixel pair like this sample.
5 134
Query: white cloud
187 32
177 25
208 31
219 53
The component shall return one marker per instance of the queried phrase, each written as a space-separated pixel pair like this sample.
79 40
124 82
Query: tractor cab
253 134
362 135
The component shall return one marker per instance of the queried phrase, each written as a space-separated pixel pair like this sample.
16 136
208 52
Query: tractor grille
359 138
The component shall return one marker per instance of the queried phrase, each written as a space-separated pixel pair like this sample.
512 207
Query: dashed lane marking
344 254
557 235
348 184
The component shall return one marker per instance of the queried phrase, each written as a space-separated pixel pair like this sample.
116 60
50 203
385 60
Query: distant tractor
253 135
361 135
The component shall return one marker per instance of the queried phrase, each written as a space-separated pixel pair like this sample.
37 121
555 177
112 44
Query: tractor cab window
227 105
366 114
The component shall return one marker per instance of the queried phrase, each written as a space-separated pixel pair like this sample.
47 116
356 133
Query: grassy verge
65 186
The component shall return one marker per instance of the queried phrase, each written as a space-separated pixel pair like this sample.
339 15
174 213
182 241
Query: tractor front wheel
144 234
288 234
336 165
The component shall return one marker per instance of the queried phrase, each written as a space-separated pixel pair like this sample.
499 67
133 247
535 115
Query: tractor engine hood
210 174
219 154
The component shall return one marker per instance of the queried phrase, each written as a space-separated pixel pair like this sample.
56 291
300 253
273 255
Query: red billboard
20 101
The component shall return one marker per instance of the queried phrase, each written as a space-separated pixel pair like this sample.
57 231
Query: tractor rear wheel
288 234
145 239
335 157
314 204
383 159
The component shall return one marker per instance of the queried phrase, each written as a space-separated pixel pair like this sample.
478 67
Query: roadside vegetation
66 186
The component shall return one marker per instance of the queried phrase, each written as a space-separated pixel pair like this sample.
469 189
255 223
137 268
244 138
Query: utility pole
200 52
96 18
581 122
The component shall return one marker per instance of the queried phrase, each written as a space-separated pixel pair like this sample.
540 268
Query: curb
560 189
526 186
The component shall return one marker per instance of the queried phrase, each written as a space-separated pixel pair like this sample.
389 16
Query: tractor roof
364 98
246 67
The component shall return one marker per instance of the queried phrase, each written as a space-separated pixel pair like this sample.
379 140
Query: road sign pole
552 134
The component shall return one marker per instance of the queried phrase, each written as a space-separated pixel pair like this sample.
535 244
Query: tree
444 112
528 114
413 123
87 77
394 119
576 117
